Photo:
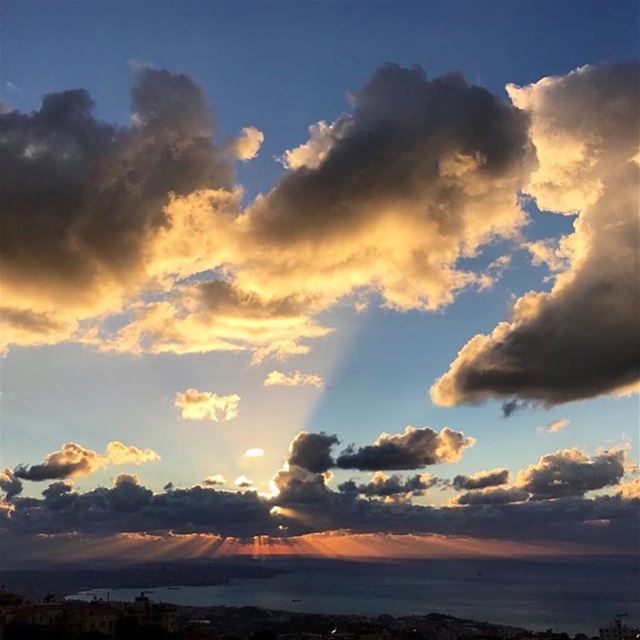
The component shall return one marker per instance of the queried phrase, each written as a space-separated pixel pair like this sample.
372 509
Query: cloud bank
546 502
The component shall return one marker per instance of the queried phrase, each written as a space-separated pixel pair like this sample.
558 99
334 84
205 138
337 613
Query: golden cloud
205 405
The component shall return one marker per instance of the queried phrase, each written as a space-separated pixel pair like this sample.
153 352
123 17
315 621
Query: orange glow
334 545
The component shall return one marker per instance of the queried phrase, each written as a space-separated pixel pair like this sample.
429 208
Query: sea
568 595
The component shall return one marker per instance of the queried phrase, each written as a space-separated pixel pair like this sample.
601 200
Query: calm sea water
570 595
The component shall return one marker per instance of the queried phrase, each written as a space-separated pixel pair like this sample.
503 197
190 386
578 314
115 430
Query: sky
245 240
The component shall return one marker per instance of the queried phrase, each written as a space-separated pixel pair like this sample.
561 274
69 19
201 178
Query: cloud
571 472
512 406
555 254
393 487
412 449
481 479
247 145
322 138
10 484
395 196
204 405
216 316
293 485
242 482
630 490
95 196
581 339
492 496
118 453
312 451
255 452
546 503
73 459
214 480
129 507
388 200
294 379
557 425
128 495
58 494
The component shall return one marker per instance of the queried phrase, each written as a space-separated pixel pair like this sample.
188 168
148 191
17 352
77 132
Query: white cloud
205 405
294 379
243 482
118 453
247 145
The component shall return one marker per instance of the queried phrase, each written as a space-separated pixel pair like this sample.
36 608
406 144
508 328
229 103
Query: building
147 613
86 617
97 617
618 631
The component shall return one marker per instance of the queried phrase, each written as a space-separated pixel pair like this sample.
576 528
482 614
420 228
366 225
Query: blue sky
282 66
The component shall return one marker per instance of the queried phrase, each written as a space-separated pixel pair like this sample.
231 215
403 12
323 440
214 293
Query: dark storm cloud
583 338
58 495
493 495
312 451
383 486
297 485
481 480
570 472
11 485
411 449
129 507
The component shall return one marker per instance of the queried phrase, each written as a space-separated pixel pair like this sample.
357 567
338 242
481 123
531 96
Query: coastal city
55 618
319 320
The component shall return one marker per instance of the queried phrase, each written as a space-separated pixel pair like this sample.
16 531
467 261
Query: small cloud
415 447
255 452
204 405
481 480
247 145
294 379
11 485
557 425
243 482
509 407
118 453
214 480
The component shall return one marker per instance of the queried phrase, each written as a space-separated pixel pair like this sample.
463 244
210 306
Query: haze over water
572 595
